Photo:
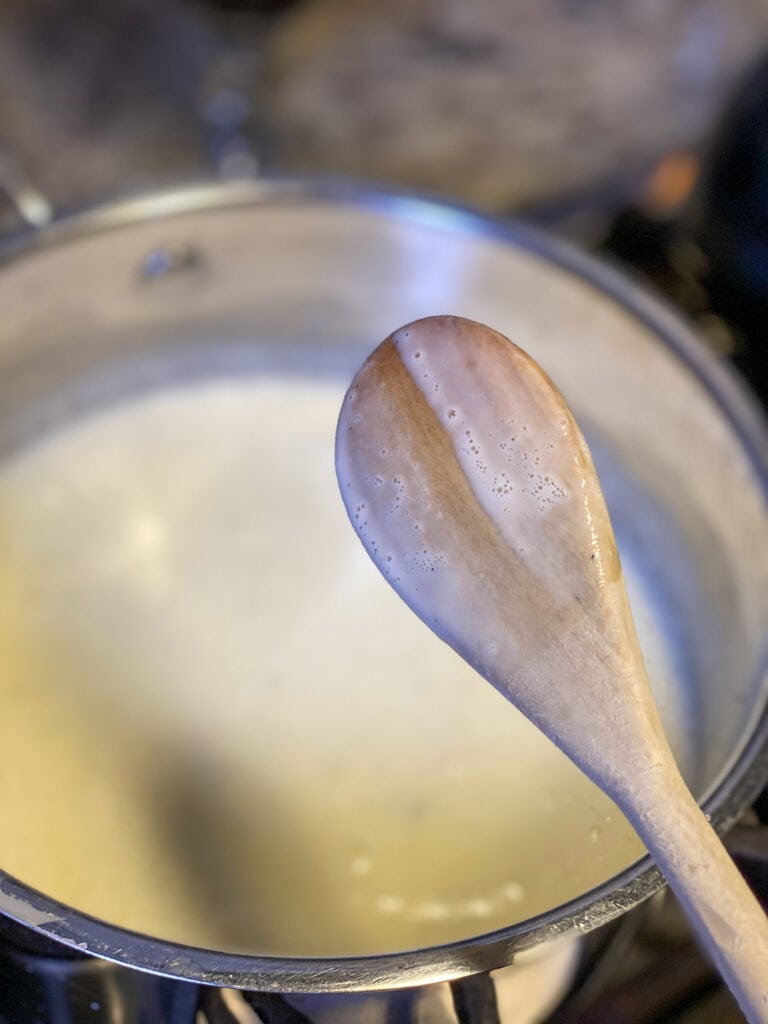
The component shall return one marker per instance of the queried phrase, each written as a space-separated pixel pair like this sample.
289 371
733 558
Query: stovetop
642 969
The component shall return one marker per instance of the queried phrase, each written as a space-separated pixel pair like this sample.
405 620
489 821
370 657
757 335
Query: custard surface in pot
221 727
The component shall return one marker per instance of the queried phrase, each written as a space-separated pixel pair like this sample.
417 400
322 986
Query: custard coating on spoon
473 490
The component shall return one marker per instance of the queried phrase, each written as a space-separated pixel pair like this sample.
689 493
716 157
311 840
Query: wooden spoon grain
473 491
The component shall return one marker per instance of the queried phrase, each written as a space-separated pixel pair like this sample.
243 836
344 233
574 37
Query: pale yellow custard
220 726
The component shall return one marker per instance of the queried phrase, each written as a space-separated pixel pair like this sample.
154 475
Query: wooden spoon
473 491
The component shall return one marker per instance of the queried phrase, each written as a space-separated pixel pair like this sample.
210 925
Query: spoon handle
730 923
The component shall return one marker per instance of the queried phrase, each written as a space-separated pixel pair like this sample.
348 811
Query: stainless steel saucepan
299 280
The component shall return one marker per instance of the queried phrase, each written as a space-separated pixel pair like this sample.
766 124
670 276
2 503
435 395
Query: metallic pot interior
292 277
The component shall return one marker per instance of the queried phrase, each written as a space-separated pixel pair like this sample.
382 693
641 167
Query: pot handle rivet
170 260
